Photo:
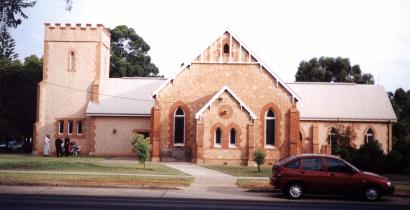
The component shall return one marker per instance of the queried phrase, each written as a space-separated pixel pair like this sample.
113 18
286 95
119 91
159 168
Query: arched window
333 138
226 48
179 126
369 136
72 61
270 128
218 137
232 138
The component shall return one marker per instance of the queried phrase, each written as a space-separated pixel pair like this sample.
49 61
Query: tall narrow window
232 138
270 128
226 48
60 126
179 127
72 61
369 136
333 138
70 127
79 127
218 137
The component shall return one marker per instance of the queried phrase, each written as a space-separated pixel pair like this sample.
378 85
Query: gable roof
217 95
125 97
343 101
251 54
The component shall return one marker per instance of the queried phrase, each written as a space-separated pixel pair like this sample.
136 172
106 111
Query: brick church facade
218 109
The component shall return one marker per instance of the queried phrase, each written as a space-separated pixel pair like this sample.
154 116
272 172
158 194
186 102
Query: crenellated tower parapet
77 33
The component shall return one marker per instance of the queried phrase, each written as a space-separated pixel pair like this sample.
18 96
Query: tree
328 69
7 45
11 11
142 148
18 95
129 54
259 158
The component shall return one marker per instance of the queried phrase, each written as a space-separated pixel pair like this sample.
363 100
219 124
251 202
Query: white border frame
236 138
70 126
173 129
269 146
59 127
78 122
215 144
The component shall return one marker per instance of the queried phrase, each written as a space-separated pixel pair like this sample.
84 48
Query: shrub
259 158
394 162
142 148
370 157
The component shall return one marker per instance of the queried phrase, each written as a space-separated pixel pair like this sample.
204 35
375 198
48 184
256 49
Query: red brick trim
187 125
223 136
278 120
92 134
74 134
238 135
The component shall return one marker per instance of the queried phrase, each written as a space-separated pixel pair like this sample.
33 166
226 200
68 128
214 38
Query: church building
218 109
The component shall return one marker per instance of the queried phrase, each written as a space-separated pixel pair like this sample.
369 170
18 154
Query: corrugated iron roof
125 97
343 101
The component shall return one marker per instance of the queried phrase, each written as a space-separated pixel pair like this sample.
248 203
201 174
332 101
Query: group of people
59 144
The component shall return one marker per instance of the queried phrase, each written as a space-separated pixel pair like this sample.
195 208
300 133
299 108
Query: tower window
71 61
226 48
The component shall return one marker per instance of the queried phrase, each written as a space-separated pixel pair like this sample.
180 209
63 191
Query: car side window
312 164
293 164
335 165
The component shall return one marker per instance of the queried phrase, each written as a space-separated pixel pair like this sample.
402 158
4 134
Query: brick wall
194 87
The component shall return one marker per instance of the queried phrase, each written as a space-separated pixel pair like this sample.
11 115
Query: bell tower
76 62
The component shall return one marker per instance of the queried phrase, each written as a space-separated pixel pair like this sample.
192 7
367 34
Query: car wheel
295 191
372 193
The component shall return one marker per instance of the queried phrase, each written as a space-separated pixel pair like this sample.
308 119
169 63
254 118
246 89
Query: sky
374 34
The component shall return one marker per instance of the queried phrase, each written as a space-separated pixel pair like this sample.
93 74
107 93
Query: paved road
9 201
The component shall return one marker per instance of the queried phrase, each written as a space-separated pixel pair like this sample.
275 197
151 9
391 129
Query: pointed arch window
232 137
369 136
226 49
218 137
179 127
270 128
333 138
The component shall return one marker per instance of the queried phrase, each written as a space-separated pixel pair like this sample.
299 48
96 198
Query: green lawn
82 164
244 171
102 172
91 180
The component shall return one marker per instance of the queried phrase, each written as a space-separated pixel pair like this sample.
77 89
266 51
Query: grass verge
91 180
254 184
82 164
242 171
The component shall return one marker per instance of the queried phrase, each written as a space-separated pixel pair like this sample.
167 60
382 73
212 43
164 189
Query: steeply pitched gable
229 49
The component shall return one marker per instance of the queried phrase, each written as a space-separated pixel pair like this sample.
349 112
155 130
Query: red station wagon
315 173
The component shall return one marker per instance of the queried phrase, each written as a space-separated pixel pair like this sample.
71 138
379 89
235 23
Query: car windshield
354 168
284 160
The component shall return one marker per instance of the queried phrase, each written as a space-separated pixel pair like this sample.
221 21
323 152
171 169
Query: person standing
47 146
66 145
58 144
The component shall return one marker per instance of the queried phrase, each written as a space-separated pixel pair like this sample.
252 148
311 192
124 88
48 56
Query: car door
341 177
312 173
